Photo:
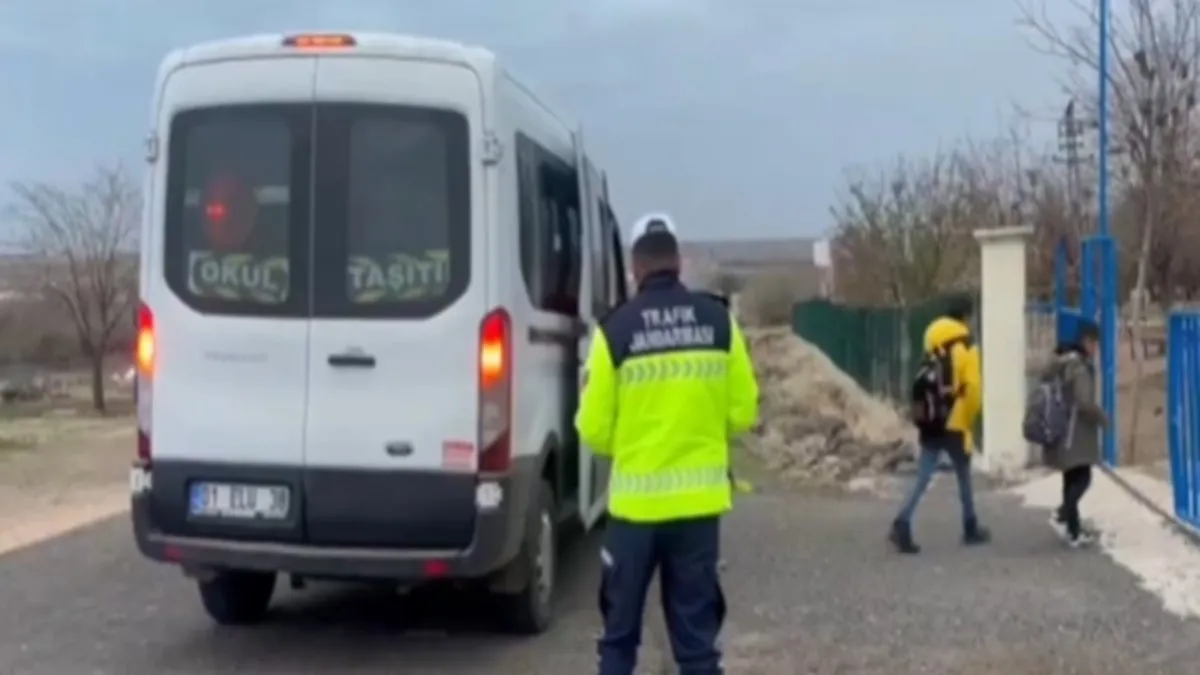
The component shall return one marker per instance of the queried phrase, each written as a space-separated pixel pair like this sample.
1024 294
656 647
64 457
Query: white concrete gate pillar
1002 329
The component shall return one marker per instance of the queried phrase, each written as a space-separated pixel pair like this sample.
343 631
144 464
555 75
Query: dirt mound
815 423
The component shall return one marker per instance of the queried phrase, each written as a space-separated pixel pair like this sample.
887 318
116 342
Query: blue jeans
927 465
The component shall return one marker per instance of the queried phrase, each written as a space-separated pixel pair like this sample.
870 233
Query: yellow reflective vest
668 382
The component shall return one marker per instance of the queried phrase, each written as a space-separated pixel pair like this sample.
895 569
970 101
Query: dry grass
26 425
45 442
1151 440
95 453
61 465
63 484
816 424
768 298
800 380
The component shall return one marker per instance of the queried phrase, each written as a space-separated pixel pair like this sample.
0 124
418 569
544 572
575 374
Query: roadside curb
1187 531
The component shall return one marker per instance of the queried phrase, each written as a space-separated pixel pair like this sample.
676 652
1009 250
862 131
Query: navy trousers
685 554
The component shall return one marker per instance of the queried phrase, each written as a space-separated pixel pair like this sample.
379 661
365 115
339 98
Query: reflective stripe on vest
685 367
666 482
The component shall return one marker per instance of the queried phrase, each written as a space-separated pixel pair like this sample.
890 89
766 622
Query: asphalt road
812 589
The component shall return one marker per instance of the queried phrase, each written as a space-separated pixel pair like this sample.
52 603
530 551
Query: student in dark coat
1075 364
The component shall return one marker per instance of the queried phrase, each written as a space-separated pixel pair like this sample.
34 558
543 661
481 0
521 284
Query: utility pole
1070 141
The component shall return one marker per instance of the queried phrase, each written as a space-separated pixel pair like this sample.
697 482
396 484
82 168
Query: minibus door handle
352 360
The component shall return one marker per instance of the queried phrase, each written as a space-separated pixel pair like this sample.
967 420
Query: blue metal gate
1183 413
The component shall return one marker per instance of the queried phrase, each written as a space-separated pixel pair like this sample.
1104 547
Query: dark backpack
1049 410
932 395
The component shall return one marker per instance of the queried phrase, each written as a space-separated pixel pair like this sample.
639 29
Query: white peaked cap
650 223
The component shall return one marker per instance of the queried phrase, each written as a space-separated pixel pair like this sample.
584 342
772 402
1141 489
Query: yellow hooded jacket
967 381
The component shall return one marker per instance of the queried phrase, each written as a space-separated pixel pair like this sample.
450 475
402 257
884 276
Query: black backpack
932 395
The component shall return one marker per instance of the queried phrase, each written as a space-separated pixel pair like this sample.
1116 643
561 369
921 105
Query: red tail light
143 351
144 358
435 569
495 392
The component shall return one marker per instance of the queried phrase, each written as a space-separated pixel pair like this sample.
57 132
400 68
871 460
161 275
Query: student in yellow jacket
949 342
668 382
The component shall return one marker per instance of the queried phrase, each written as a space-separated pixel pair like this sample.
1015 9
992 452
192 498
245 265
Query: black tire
237 598
530 611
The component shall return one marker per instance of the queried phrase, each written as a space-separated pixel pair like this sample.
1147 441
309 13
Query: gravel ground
812 589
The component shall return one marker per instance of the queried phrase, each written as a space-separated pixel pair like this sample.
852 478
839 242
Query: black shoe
975 534
901 538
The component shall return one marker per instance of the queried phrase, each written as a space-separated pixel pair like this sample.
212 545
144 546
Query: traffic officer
668 381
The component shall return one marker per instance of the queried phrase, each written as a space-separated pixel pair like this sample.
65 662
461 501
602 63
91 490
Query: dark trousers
685 553
1075 484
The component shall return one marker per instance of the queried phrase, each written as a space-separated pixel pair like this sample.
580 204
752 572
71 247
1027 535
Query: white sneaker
1059 525
1083 540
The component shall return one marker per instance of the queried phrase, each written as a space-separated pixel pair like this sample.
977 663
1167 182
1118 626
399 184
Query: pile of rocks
816 425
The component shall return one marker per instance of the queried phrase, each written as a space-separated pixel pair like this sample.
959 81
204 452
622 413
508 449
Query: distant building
24 276
20 276
704 261
744 259
747 257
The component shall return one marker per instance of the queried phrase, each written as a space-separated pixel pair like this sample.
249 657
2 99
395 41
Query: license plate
251 502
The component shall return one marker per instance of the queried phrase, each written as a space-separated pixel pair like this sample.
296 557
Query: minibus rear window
394 230
235 213
340 210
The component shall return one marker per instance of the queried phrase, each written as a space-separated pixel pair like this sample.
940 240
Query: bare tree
769 298
1166 99
1022 186
905 235
84 239
1051 212
1154 51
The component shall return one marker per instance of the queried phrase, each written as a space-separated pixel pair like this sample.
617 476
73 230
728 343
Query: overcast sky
738 116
